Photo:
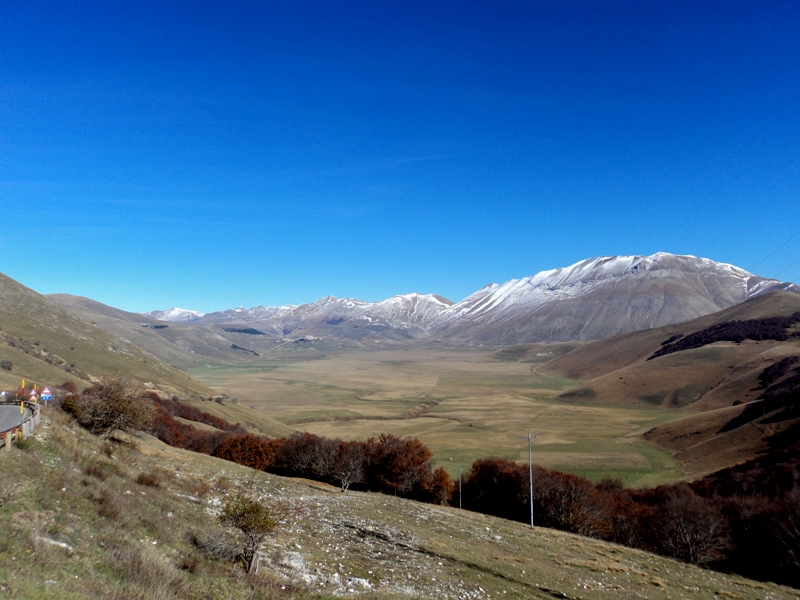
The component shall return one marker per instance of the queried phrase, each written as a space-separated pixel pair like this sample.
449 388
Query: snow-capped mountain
599 297
407 315
591 299
176 315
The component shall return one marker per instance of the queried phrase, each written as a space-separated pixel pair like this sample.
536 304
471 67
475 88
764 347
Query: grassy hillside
608 355
66 347
715 380
179 345
87 518
48 344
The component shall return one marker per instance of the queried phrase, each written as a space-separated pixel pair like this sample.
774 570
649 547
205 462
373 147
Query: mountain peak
176 315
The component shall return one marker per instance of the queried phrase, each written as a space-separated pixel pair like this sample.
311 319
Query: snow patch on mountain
176 315
590 299
601 296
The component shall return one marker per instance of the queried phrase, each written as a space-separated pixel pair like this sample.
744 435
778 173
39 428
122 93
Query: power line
771 254
787 268
700 312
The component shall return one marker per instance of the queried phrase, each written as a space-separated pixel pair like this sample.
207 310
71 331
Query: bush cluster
722 521
111 403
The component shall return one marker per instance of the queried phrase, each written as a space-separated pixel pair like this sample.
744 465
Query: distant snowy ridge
398 311
176 315
591 299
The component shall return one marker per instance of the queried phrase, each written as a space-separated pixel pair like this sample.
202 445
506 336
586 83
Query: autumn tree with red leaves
248 450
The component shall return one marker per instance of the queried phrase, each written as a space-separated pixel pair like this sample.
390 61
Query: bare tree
787 531
349 466
323 456
689 527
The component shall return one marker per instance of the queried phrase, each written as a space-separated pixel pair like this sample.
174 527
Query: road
10 416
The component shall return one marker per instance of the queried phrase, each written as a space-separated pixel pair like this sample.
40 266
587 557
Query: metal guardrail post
25 428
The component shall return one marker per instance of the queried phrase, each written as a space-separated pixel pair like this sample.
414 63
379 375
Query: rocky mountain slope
404 316
589 300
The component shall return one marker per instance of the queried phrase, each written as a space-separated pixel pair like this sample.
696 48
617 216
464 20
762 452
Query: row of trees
755 534
769 328
745 519
388 464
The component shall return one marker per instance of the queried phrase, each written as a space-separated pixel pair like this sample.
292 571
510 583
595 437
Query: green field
462 406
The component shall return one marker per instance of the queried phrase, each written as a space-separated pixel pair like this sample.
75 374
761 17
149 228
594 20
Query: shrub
217 545
499 487
571 503
146 568
397 466
112 403
684 525
254 520
96 472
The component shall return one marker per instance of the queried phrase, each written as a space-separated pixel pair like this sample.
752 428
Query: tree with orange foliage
249 450
438 487
397 466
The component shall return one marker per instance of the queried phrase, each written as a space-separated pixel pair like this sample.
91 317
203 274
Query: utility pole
459 485
530 468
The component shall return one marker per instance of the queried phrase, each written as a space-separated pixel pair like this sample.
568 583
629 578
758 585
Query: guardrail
24 429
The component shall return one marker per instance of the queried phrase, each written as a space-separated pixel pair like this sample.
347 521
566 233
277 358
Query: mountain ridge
588 300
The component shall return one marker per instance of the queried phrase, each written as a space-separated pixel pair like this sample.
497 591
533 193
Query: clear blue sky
215 154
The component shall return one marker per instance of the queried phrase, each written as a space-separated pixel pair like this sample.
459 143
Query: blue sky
215 154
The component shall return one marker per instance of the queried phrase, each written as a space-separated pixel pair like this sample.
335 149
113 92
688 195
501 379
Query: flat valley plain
460 402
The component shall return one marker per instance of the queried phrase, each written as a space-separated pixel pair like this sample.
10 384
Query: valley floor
456 402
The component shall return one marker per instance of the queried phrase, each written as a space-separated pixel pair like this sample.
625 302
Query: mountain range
592 299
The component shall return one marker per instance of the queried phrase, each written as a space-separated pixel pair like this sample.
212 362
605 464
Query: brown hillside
700 379
725 384
699 443
179 345
607 355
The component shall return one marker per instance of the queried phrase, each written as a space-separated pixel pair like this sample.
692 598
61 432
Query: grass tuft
149 479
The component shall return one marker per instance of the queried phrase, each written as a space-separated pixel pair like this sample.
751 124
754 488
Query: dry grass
458 403
165 542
